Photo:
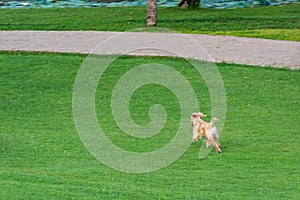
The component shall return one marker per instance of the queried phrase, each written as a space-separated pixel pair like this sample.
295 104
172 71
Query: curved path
230 49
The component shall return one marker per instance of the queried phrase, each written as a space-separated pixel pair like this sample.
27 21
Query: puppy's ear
202 115
195 114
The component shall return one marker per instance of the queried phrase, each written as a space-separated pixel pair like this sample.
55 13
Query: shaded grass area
42 156
274 22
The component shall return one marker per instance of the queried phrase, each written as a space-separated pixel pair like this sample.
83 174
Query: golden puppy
202 129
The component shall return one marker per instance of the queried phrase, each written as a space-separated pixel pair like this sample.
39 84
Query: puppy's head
196 116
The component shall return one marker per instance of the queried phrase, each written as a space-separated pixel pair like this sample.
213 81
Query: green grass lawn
273 22
42 156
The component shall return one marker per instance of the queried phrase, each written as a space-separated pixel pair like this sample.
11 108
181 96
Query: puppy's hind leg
217 139
217 145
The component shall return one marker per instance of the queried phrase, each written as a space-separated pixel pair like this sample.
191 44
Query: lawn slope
42 156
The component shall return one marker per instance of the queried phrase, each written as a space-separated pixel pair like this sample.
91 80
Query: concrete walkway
238 50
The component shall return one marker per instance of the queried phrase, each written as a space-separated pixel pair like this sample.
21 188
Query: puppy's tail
213 121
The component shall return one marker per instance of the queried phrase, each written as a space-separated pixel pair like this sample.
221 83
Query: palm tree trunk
151 13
